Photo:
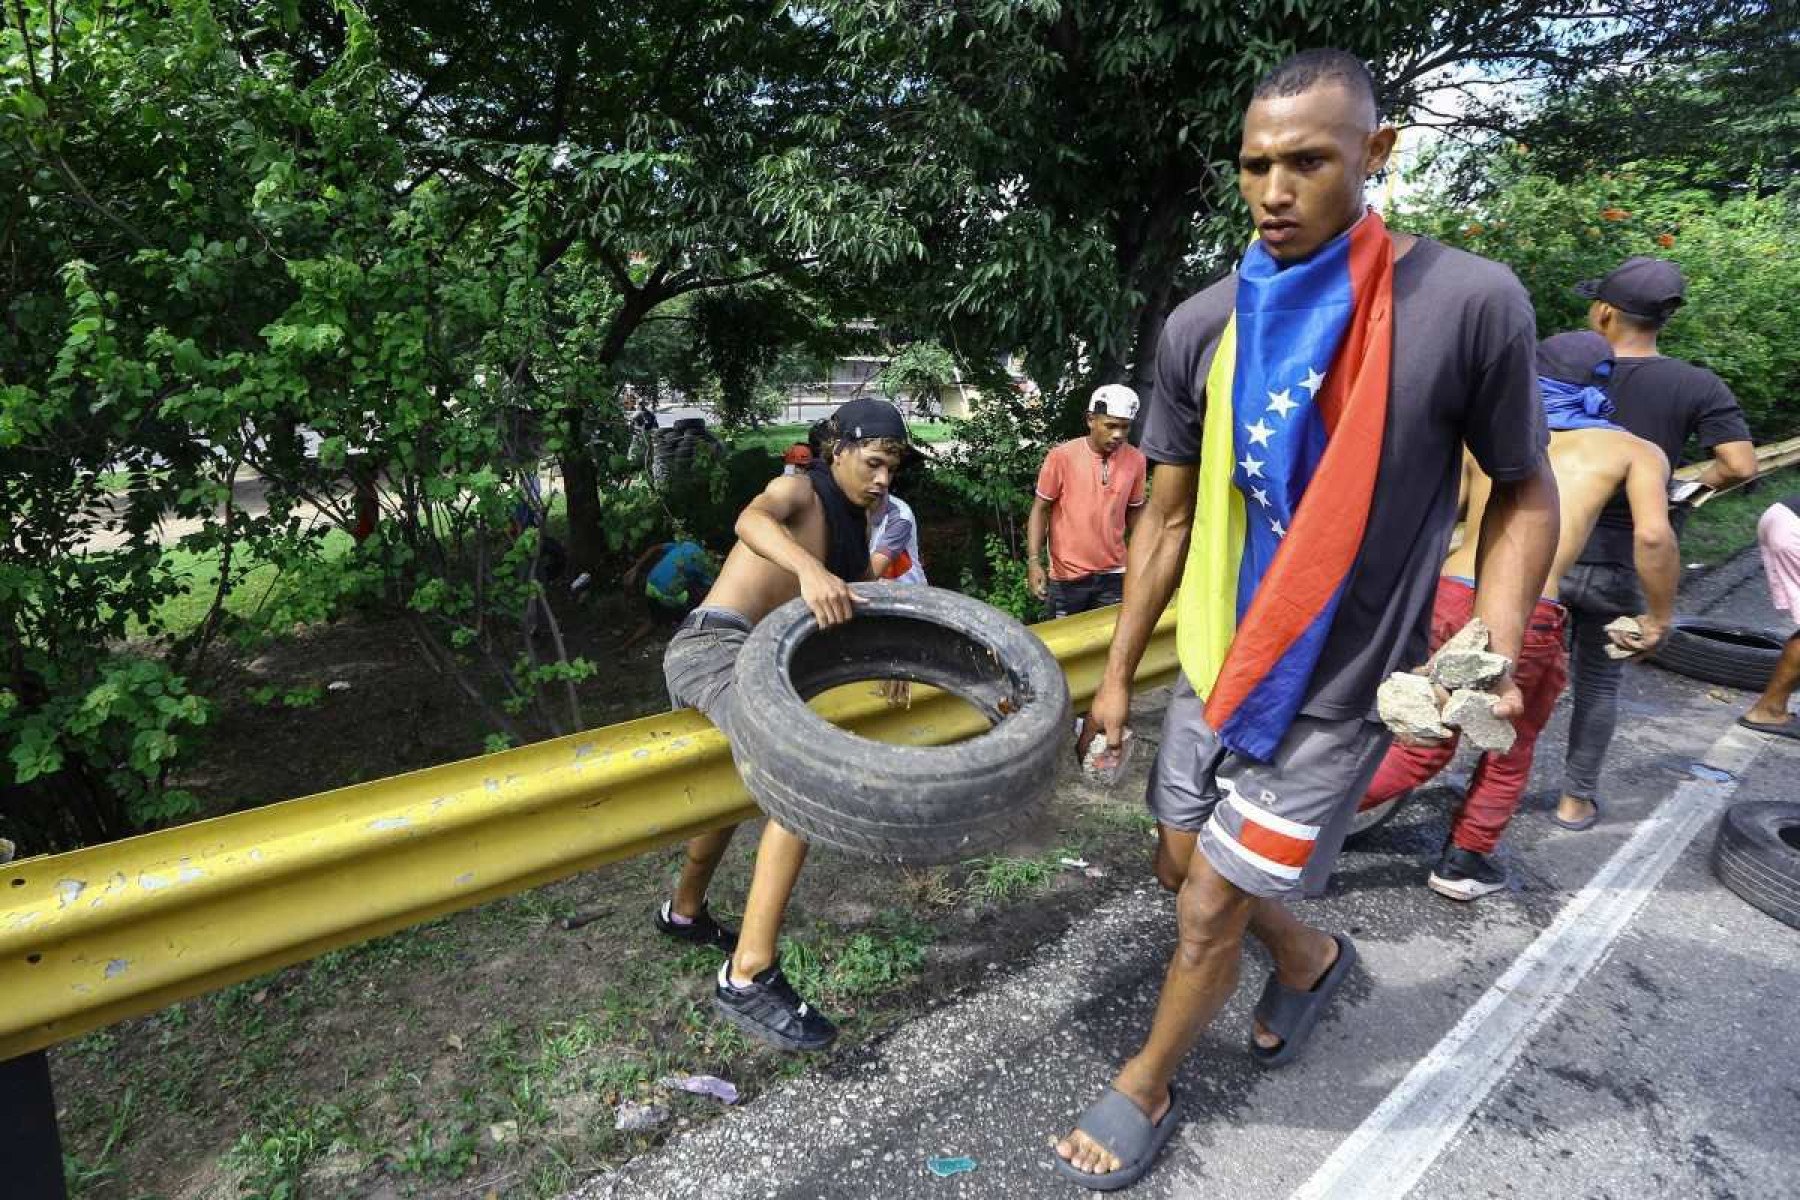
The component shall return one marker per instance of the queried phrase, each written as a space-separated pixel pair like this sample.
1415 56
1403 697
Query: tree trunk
581 479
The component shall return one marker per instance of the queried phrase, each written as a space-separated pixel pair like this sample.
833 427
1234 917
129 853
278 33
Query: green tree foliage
918 374
1722 113
1086 148
686 146
1743 298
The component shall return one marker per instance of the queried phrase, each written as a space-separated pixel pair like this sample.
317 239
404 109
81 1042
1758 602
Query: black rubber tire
686 423
1757 855
1366 821
903 804
1719 652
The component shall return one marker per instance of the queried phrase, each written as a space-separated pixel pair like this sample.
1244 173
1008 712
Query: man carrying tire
1593 460
1089 493
1308 424
807 536
1666 401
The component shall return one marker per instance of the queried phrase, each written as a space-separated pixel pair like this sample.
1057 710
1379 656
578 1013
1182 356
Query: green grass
776 438
1723 526
1000 879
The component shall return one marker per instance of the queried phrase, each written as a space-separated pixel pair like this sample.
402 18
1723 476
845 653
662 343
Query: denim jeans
1070 596
1594 594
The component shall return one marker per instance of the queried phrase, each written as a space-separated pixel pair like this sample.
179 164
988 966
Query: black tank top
846 527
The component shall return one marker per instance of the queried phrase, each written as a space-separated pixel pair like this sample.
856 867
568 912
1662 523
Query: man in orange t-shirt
1089 494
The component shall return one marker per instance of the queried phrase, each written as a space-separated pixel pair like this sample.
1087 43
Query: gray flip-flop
1789 728
1290 1014
1587 822
1117 1123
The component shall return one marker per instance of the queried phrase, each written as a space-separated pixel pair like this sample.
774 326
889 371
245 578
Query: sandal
1290 1014
1117 1123
1789 728
1587 822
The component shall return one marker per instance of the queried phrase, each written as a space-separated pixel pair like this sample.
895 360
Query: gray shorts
1274 829
700 664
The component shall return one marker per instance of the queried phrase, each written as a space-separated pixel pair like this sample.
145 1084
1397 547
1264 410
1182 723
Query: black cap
1643 287
1580 359
869 418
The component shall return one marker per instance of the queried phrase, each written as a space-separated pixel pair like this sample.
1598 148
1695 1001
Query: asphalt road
1615 1025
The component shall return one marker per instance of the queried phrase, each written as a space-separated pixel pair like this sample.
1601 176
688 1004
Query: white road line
1391 1150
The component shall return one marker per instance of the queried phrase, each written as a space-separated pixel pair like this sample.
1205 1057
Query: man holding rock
1593 460
1308 424
1668 402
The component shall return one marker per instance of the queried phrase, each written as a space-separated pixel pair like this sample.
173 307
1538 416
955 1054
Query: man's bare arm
764 526
1154 560
1732 463
1035 526
1512 559
1654 546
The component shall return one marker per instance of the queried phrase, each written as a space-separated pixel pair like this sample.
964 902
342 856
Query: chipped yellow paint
196 908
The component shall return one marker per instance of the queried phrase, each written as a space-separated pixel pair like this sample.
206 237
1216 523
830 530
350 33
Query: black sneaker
701 931
770 1010
1465 875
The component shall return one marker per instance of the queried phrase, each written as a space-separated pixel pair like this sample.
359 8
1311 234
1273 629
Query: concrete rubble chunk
1468 669
1472 712
1473 636
1465 661
1625 625
1408 706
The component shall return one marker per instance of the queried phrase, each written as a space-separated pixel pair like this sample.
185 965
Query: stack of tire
673 450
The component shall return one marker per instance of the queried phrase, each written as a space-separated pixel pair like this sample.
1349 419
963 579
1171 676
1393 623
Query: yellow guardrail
99 935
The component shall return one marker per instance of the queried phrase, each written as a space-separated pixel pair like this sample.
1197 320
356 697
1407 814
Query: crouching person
806 535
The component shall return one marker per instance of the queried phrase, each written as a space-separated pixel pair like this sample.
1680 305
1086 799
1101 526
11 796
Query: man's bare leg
1302 954
779 857
703 856
1771 708
1211 915
1174 851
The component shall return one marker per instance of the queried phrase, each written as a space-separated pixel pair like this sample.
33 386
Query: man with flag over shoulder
1307 427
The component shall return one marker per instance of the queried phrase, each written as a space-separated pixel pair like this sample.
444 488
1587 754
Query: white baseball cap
1114 400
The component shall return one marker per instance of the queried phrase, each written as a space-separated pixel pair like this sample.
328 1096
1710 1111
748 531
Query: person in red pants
1592 460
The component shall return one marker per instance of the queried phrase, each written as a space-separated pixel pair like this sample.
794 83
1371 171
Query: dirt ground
488 1053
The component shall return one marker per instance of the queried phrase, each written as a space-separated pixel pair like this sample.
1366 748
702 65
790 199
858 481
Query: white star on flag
1260 496
1259 433
1312 382
1278 529
1281 403
1252 467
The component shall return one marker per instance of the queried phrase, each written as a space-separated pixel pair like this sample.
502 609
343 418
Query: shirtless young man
1593 461
806 535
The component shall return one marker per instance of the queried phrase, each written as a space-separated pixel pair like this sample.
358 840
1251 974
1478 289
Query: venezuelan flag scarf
1296 404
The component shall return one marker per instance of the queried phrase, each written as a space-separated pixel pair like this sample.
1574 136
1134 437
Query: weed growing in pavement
437 1154
835 969
999 879
273 1158
81 1176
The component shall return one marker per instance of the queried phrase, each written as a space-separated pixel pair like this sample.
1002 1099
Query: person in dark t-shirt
1662 400
1452 337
